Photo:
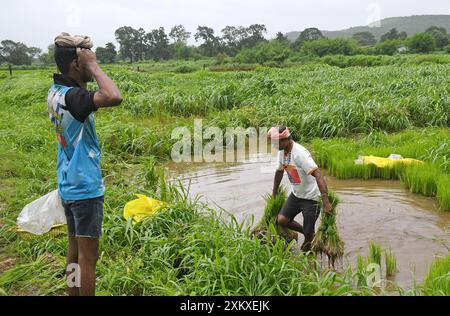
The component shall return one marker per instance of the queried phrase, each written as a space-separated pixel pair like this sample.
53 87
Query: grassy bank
437 281
432 145
184 250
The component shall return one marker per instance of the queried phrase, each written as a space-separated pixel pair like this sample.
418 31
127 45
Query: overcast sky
36 23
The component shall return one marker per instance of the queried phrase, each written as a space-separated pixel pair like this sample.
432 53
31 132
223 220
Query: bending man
308 185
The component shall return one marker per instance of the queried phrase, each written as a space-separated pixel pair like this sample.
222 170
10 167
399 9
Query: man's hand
108 94
327 207
276 182
87 60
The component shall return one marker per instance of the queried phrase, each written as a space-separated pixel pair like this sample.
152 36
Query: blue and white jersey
70 109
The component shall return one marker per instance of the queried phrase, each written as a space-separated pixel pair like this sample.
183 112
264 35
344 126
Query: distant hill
409 24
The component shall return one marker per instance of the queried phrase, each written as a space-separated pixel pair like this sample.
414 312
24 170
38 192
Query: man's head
66 56
282 135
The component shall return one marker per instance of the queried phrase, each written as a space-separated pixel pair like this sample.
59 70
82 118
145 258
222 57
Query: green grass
432 145
361 268
390 262
185 250
374 253
437 280
273 207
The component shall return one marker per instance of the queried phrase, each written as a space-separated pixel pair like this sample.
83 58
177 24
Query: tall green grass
185 250
374 253
430 145
437 280
390 262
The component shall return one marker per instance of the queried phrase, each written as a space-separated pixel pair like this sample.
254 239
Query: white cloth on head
67 40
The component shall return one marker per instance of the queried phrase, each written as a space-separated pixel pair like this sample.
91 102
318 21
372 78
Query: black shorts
84 217
309 208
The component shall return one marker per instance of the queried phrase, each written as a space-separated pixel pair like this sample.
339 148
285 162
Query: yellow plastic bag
142 208
387 162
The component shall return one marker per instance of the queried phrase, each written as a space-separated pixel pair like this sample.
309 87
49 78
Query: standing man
80 184
308 185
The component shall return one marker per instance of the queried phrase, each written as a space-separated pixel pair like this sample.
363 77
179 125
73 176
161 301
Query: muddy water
378 210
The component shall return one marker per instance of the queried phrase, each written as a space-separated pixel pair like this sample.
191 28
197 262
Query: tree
231 39
440 36
106 54
49 57
254 35
158 44
364 38
17 53
402 36
130 41
422 43
182 51
393 34
264 52
309 34
211 43
179 34
447 49
388 47
325 46
279 37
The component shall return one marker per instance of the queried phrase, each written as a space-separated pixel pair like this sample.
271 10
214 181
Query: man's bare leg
87 259
72 257
285 222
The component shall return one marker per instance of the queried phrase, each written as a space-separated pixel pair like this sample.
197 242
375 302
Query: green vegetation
327 240
249 45
437 281
390 262
269 220
188 249
408 24
184 250
374 253
431 145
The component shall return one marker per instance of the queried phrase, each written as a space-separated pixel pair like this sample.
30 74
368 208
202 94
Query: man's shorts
309 208
84 217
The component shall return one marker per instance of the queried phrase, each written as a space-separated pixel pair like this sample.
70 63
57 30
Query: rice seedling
327 240
361 265
437 280
443 191
390 262
269 219
374 253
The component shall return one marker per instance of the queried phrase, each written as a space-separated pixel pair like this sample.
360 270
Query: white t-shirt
299 165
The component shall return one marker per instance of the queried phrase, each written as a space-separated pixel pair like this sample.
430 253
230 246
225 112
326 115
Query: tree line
244 44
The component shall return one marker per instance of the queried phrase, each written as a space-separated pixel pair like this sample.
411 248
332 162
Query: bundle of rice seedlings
327 240
273 207
391 262
374 253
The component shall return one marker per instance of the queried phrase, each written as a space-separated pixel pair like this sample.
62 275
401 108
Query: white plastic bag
39 216
395 156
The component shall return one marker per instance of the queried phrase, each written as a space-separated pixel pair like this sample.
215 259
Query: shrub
325 46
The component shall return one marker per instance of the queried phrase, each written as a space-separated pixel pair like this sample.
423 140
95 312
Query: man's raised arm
108 94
